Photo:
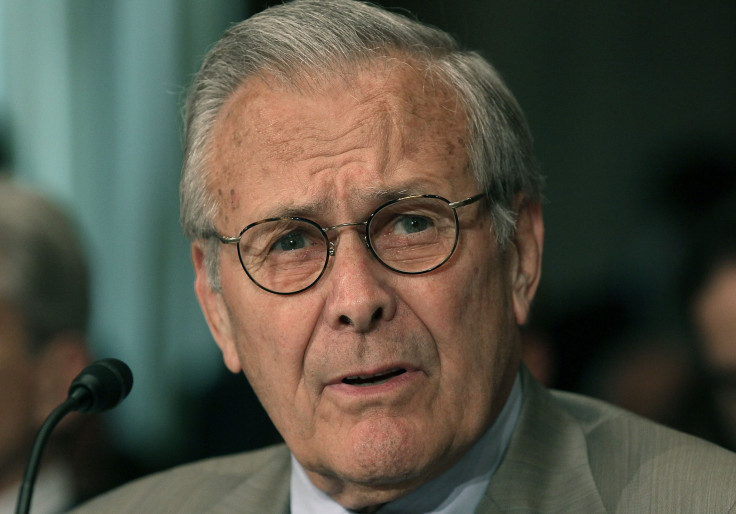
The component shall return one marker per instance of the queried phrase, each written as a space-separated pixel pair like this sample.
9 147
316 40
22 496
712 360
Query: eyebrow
305 210
318 207
401 191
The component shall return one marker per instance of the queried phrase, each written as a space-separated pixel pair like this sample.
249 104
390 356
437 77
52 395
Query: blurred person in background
710 304
695 366
44 307
685 377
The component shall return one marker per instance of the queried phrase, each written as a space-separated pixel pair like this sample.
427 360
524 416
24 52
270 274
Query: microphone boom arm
100 386
29 478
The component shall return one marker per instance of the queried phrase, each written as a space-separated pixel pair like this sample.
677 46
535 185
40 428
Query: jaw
382 467
385 454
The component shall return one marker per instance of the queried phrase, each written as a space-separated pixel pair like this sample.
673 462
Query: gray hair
305 41
43 272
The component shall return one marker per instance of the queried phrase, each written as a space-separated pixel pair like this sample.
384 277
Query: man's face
447 338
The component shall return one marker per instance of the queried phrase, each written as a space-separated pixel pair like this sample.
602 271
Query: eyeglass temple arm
467 201
223 239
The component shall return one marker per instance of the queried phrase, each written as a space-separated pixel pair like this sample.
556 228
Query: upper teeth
377 377
364 377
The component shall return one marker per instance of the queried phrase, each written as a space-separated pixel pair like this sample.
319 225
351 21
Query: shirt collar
458 490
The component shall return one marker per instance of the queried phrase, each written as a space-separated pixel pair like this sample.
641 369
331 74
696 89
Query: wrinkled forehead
402 74
402 88
403 113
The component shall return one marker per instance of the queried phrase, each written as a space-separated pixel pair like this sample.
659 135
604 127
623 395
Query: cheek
269 330
471 319
475 295
272 339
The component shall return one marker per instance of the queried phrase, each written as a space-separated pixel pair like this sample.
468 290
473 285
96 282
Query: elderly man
367 238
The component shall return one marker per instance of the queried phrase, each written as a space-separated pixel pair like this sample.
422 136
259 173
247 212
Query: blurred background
633 108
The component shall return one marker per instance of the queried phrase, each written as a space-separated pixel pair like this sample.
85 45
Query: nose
360 296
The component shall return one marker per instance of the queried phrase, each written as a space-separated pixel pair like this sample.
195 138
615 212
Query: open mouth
378 378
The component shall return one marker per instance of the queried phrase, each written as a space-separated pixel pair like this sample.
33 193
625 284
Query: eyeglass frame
330 247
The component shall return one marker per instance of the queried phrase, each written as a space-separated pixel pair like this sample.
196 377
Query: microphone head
101 385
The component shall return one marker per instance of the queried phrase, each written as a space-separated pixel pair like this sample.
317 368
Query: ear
215 311
526 264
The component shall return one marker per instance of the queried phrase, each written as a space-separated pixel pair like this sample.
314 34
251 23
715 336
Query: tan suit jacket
568 454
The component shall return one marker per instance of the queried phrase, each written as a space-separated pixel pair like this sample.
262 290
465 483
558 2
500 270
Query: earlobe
526 268
215 311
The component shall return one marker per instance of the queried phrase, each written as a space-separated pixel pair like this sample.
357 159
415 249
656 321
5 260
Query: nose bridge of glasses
334 240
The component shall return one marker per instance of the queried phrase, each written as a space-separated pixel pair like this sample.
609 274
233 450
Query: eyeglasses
410 235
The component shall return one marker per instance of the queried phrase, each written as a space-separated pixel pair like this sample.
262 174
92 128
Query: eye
295 240
411 224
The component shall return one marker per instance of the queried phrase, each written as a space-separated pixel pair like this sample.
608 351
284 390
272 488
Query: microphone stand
26 490
100 386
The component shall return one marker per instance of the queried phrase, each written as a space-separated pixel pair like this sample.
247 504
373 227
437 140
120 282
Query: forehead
383 127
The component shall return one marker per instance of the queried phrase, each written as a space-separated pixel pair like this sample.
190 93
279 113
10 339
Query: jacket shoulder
636 462
256 481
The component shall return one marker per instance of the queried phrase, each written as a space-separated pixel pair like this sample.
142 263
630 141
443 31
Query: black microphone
100 386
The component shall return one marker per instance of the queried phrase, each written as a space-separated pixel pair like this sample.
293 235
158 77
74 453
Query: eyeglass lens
412 235
284 256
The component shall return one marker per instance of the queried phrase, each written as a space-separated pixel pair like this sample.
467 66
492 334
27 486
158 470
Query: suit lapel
545 468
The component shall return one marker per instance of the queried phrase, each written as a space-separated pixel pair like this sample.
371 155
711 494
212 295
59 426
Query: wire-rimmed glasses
410 235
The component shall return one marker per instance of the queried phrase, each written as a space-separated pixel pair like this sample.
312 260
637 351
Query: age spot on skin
450 148
234 200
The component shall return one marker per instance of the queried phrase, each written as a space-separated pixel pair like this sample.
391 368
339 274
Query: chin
375 479
379 460
386 452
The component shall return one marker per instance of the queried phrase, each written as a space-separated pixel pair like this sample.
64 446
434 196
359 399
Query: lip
374 382
366 380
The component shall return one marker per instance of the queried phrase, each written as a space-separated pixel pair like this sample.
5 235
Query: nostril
378 314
